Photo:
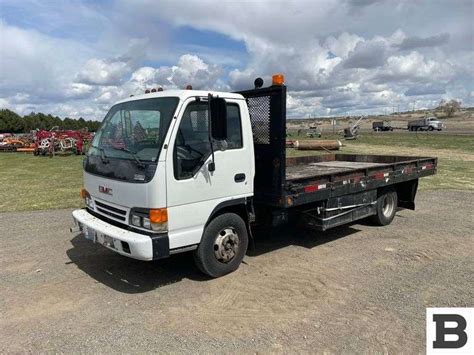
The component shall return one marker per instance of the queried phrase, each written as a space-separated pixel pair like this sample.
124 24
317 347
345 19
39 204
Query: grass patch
452 174
38 183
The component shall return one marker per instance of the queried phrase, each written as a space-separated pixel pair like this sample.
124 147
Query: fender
245 203
225 205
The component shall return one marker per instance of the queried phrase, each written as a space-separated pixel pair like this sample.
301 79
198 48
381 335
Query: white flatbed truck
187 170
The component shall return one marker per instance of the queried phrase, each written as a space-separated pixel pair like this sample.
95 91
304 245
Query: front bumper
125 242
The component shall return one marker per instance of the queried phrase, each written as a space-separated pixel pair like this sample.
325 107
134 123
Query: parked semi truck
187 170
426 124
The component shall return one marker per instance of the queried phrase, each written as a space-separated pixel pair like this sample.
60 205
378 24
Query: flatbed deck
315 178
323 168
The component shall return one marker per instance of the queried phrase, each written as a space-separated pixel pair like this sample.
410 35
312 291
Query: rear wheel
386 208
223 245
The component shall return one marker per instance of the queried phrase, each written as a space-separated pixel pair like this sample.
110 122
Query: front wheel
386 208
223 245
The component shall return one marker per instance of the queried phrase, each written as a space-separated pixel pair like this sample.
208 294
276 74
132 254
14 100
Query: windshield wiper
102 155
132 153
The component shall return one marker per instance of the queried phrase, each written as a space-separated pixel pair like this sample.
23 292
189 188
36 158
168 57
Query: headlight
152 219
136 220
146 223
89 202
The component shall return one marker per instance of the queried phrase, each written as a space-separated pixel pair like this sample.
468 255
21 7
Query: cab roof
182 95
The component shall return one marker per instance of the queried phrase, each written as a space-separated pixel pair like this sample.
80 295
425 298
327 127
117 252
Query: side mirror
218 108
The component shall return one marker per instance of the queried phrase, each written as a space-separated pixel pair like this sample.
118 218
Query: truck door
192 190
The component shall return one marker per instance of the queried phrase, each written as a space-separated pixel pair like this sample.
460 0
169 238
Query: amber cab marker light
189 87
278 79
159 215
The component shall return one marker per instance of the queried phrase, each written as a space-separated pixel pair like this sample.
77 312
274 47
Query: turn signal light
159 215
278 79
84 193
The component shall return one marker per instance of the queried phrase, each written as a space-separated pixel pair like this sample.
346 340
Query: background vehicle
182 170
313 133
381 126
426 124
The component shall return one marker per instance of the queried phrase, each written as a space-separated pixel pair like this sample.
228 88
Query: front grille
111 211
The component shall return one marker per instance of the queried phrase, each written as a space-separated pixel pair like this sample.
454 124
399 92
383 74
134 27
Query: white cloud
103 72
31 62
413 67
190 69
342 45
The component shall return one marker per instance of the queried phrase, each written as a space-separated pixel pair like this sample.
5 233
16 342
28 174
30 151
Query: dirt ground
354 289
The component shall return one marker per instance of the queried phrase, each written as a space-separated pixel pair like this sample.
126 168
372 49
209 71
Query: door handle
239 177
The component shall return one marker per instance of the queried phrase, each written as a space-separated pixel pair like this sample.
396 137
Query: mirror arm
212 165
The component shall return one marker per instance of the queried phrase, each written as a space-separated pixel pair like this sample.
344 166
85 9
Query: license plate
89 233
98 237
105 240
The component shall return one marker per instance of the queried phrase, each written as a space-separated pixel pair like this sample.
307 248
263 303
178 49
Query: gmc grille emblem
105 190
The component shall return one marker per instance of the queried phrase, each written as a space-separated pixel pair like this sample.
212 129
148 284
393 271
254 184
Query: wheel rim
226 245
388 205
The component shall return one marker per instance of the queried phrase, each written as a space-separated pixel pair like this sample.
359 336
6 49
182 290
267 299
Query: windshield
128 144
134 130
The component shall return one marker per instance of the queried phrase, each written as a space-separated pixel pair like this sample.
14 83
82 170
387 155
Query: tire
223 245
430 128
386 208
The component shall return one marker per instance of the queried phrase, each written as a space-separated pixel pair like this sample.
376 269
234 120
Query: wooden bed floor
325 168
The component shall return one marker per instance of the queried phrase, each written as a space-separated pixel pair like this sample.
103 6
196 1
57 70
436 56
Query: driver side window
192 145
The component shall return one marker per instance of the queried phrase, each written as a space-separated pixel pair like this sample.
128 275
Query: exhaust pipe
75 229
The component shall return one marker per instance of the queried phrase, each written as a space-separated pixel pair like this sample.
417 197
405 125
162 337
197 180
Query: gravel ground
354 289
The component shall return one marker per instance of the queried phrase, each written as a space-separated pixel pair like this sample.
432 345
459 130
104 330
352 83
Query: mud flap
406 192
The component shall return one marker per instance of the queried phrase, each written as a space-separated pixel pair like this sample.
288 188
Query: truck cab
426 124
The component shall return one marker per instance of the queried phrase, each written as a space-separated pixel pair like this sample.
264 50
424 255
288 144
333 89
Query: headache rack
267 109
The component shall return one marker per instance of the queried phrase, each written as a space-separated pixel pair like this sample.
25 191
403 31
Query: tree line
11 122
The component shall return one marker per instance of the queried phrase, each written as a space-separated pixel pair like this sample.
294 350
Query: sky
339 57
